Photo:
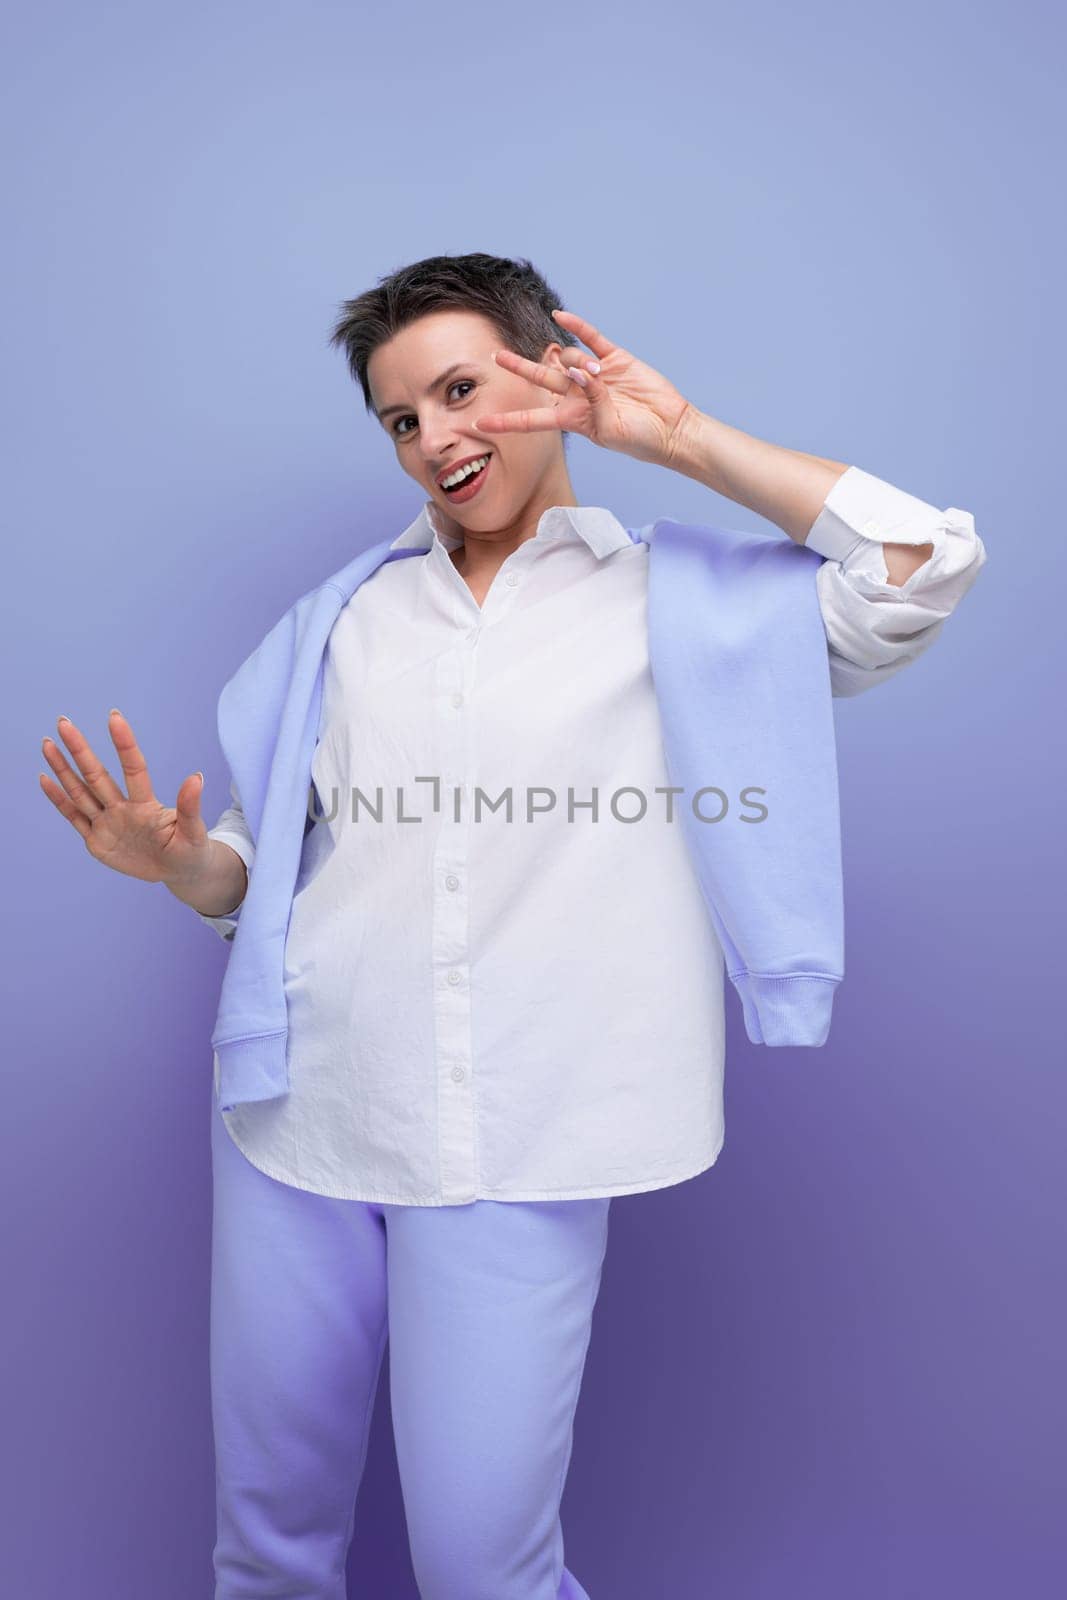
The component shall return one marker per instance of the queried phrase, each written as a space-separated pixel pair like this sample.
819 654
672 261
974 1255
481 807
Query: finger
584 374
86 800
549 377
190 822
65 806
577 375
582 371
541 417
600 345
134 766
98 784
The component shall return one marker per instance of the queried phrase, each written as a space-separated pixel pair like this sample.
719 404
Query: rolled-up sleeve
232 829
874 628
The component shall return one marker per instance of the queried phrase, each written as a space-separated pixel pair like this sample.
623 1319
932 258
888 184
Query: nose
438 442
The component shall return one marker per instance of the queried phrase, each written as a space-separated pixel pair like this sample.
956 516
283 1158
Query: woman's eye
461 383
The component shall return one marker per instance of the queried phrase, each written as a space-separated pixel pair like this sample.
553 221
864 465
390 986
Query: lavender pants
487 1308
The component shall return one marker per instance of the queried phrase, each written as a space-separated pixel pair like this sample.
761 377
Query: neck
482 553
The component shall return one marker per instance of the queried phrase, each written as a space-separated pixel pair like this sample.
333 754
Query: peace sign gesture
611 398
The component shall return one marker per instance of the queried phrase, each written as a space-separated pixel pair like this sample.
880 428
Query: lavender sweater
738 655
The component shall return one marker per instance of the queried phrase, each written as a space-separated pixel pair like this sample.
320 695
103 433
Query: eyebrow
436 384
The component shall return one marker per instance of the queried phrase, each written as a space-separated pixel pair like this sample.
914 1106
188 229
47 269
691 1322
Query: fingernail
579 376
114 712
62 719
594 366
200 775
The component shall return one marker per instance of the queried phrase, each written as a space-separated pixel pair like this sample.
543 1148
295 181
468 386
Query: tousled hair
512 295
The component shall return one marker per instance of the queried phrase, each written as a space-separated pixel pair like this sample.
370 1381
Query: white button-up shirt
527 1005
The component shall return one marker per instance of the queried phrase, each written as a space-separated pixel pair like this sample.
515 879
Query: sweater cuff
253 1068
788 1008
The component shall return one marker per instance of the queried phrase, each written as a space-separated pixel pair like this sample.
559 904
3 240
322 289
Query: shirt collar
596 525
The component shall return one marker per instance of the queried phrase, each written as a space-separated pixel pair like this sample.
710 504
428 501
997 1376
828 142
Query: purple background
832 1365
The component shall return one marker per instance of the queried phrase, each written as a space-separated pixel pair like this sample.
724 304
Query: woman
492 1024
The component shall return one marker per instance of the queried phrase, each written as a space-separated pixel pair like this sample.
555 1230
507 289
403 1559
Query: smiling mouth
468 478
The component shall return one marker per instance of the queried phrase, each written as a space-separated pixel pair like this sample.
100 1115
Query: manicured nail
579 376
594 366
62 719
114 712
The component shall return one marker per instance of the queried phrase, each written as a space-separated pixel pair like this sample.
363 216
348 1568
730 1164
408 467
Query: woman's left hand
625 405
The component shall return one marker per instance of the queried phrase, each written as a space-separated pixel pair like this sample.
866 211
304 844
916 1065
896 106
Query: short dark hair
513 295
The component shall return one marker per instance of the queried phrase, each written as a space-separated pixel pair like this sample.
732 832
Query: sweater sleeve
232 829
875 628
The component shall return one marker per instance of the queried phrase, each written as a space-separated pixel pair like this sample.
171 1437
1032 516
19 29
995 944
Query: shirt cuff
862 509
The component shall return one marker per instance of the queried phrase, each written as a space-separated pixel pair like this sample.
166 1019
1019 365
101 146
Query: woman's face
429 382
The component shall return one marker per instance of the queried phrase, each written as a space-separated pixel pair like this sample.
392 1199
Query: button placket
450 939
503 590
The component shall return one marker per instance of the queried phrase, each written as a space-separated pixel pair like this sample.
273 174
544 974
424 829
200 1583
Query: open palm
131 832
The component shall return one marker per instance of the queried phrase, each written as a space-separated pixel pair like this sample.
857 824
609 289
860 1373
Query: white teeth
464 472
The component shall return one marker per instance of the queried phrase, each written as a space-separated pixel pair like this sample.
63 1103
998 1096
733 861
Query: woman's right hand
131 832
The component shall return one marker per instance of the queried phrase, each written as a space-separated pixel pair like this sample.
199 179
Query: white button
457 1074
457 699
454 976
511 578
451 882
